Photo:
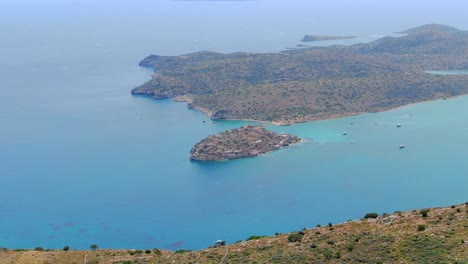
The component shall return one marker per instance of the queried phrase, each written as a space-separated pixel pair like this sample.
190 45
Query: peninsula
312 38
315 83
247 141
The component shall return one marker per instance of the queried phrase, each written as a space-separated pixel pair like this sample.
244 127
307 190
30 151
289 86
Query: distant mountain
315 83
432 28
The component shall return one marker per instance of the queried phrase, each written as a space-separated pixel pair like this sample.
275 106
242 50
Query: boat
345 133
402 146
398 125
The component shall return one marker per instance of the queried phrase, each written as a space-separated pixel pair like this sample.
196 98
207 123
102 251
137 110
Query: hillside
315 83
435 235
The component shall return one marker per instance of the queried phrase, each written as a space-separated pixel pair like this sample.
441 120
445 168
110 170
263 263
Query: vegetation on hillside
403 237
315 83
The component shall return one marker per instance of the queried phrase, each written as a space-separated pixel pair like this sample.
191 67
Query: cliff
247 141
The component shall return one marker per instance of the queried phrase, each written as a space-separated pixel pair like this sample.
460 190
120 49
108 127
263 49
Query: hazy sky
228 21
348 16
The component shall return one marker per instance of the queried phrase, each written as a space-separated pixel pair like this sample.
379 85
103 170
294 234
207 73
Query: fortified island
247 141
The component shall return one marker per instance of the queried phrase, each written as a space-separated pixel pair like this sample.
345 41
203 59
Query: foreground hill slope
436 235
315 83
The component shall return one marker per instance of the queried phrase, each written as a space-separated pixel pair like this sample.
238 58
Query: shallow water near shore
83 162
449 72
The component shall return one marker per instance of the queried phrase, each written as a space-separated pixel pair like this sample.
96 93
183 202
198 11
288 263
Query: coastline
255 141
392 230
187 99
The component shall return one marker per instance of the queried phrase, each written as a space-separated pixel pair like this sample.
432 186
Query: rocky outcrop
247 141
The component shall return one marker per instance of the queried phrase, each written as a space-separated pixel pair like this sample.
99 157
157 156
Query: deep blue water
83 162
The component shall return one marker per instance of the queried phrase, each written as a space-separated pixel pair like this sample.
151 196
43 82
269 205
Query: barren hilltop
433 235
315 83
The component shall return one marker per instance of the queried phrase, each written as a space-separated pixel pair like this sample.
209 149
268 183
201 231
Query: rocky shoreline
312 38
247 141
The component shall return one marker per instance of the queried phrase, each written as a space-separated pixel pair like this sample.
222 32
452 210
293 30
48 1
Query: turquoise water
449 72
83 162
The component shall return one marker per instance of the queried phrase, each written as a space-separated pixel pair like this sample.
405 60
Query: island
315 83
247 141
312 38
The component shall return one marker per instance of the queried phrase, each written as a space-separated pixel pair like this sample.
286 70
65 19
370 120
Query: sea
83 162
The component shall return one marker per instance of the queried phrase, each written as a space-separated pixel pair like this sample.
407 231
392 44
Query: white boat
398 125
402 146
345 133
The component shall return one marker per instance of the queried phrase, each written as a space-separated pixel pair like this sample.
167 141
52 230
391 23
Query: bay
83 162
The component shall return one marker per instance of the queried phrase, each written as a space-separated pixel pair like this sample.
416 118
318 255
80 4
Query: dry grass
388 239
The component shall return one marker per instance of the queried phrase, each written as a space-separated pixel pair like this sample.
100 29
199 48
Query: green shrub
179 251
313 246
350 247
424 212
93 247
330 242
157 251
39 249
371 215
66 248
295 237
328 254
253 237
421 227
133 252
